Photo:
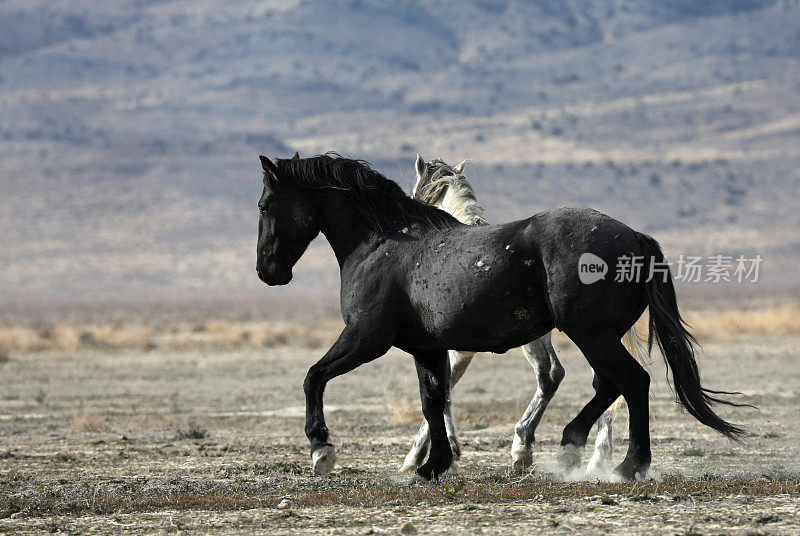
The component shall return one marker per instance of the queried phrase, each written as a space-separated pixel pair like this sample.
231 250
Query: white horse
447 188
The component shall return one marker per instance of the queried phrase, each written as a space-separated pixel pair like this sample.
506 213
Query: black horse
413 277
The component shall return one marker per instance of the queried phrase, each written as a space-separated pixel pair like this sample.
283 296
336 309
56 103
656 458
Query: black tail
678 347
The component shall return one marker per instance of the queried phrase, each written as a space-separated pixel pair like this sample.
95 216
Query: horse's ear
269 168
296 156
421 166
460 167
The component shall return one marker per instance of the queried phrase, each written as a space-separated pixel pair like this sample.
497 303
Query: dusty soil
135 442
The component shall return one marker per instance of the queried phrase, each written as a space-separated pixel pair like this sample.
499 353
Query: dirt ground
211 442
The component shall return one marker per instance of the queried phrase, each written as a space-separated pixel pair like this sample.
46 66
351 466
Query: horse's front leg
459 361
433 371
353 348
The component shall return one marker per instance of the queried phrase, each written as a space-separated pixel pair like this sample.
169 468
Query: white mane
447 188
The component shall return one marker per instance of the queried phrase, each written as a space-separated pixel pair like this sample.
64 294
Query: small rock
285 504
408 528
19 515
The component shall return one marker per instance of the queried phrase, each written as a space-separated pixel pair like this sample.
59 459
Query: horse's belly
496 329
493 321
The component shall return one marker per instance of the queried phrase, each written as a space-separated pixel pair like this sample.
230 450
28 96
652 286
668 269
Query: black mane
380 199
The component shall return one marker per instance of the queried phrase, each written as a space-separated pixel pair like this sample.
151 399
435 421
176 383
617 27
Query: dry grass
727 324
244 334
495 489
777 320
176 336
21 339
191 429
117 336
402 408
5 351
88 421
145 494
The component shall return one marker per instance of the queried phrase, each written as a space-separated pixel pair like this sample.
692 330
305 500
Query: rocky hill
130 130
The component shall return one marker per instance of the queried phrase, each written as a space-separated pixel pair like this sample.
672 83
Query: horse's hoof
599 465
568 458
628 473
417 479
521 456
617 477
407 468
409 464
323 459
522 463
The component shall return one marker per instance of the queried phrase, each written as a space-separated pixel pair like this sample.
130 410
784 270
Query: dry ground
204 440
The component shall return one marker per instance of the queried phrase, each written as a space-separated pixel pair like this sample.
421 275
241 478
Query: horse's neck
345 228
462 206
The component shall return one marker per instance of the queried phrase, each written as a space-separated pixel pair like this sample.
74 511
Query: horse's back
476 288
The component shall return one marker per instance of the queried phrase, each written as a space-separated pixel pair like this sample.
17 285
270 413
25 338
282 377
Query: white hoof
599 465
410 463
521 456
323 459
568 458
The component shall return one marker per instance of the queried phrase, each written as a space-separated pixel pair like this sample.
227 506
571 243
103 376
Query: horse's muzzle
274 277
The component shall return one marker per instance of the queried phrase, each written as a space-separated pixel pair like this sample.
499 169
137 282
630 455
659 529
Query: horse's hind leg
600 463
459 361
577 431
433 371
549 373
617 372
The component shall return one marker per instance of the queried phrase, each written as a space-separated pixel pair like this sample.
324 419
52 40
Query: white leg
459 361
455 446
601 464
549 373
419 449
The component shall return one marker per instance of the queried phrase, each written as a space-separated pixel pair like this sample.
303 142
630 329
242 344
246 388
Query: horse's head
286 225
432 172
447 188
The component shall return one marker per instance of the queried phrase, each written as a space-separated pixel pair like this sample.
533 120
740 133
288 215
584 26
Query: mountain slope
130 129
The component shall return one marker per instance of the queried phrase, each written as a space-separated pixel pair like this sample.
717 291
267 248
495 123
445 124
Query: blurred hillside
130 129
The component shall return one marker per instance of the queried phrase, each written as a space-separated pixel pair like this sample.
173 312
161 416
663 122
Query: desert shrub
88 421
